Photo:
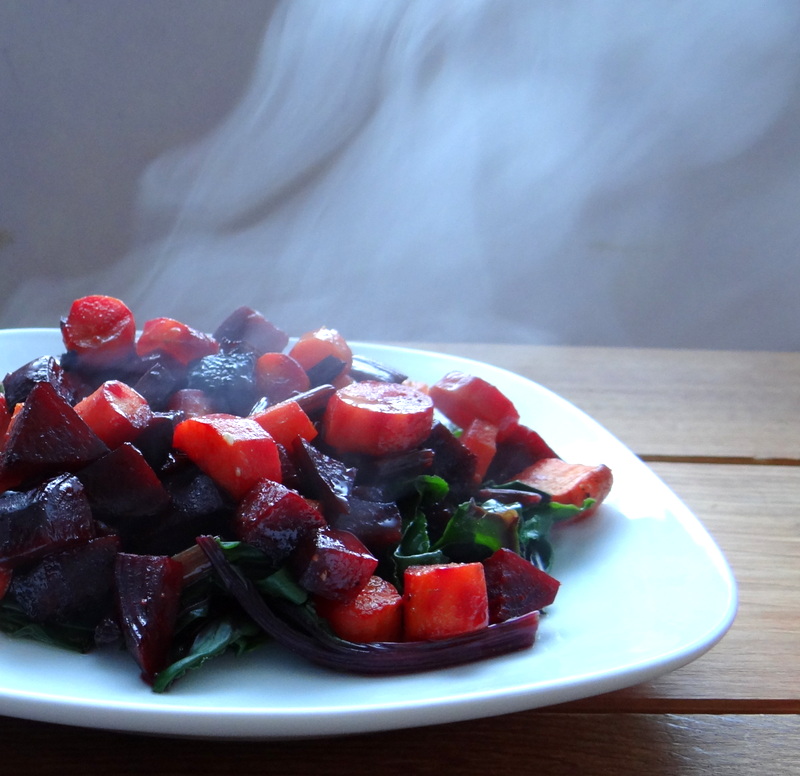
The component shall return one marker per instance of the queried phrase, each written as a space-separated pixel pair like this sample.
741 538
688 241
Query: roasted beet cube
333 564
378 524
452 461
122 487
162 378
248 327
323 477
228 379
275 520
47 437
148 589
18 384
72 586
279 376
197 507
518 447
48 518
515 586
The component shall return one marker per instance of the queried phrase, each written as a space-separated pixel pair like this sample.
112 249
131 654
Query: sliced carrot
315 346
235 452
569 483
462 398
176 339
100 329
480 438
377 418
286 421
115 412
374 614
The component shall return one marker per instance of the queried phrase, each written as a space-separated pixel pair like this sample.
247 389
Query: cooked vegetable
186 494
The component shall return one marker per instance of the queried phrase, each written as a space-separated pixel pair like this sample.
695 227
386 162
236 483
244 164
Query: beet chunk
333 564
378 524
228 379
275 519
452 460
72 586
19 383
45 519
122 487
197 507
148 589
516 586
323 477
48 437
245 326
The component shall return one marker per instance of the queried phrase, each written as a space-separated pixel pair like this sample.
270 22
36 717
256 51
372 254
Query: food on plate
181 494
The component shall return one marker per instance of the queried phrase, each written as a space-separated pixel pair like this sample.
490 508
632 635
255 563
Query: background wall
581 172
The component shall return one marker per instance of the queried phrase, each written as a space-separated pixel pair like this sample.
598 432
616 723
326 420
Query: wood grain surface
721 429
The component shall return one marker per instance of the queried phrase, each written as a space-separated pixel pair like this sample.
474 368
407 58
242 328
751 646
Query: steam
487 170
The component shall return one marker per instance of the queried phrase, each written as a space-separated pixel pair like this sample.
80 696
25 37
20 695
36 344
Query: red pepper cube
334 564
276 519
286 421
462 398
515 586
235 452
569 483
175 339
444 600
115 412
374 614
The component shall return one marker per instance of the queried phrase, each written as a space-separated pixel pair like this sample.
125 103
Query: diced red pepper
278 376
515 586
444 600
569 483
100 329
377 418
462 398
175 339
235 452
374 614
115 412
286 421
480 438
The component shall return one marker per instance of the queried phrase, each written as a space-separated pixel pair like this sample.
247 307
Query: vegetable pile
181 494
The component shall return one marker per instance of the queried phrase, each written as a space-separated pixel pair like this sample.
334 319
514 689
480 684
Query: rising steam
576 172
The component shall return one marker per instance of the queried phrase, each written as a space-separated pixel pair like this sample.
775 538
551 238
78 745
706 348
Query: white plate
644 590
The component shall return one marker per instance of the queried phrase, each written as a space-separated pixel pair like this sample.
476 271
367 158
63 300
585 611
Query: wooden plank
738 404
531 742
751 511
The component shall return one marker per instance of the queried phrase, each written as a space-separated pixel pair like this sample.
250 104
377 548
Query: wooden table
721 428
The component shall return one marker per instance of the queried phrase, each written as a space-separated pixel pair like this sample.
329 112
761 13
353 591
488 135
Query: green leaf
217 637
14 623
282 584
475 531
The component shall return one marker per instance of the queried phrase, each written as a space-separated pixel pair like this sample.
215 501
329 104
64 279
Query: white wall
584 172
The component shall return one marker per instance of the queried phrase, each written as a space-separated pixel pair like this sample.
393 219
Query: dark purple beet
452 461
367 369
378 524
197 507
515 586
249 327
323 477
148 589
163 377
275 520
155 439
48 437
122 488
333 563
48 518
228 379
72 586
18 384
393 475
519 448
324 371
